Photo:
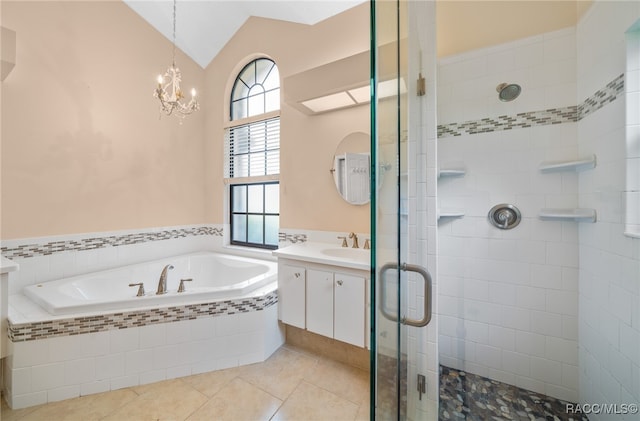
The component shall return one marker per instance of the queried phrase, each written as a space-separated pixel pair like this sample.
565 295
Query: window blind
252 149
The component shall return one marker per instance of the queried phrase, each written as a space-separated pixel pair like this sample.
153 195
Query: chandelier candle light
168 90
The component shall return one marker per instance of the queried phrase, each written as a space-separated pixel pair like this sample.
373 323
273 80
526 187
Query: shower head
508 91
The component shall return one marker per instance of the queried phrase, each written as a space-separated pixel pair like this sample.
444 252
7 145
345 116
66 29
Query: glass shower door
395 277
388 125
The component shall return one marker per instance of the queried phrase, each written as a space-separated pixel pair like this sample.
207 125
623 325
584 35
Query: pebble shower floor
465 396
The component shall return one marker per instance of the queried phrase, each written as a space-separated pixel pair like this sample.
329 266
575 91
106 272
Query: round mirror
351 168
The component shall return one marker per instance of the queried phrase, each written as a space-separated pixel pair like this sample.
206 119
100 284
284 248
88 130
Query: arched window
252 155
256 90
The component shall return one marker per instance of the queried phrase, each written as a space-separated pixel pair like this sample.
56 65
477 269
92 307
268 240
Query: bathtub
215 277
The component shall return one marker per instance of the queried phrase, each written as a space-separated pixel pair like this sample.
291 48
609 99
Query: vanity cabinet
291 295
327 300
349 309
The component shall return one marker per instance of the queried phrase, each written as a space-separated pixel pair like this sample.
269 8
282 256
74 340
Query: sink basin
327 254
347 253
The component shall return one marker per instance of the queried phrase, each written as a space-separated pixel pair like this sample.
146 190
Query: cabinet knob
339 282
297 274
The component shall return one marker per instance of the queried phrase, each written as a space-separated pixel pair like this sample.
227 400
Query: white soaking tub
215 277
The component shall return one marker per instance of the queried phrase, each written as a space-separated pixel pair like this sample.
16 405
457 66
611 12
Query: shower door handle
427 294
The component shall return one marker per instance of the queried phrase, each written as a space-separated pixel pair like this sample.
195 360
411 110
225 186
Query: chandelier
168 90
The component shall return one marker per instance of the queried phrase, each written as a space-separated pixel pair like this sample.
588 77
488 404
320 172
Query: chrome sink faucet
355 240
162 283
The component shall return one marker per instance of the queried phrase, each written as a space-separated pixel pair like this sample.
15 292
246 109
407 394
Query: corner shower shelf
450 213
576 165
577 214
451 172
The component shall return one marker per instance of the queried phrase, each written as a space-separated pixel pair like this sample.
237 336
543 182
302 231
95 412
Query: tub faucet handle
344 241
140 286
181 288
366 244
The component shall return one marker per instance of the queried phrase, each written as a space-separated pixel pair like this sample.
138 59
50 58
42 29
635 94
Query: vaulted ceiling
204 27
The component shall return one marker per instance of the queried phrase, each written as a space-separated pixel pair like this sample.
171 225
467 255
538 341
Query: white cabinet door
349 309
291 291
320 302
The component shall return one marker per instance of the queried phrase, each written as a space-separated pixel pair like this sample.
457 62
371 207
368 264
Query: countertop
327 254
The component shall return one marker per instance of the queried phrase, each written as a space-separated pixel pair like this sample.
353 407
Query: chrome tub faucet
162 283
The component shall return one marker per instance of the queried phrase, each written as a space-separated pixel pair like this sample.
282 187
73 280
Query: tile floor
466 396
291 385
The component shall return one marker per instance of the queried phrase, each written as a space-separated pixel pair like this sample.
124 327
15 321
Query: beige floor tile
238 401
85 408
309 402
312 388
348 382
168 400
8 414
281 373
210 383
363 412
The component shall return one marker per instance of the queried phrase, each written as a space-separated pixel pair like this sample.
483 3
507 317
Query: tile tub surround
61 366
92 323
48 258
45 248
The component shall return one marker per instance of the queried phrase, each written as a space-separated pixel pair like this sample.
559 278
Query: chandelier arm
168 91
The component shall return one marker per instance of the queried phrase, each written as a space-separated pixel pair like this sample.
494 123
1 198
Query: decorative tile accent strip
128 319
538 118
602 97
31 250
504 122
292 238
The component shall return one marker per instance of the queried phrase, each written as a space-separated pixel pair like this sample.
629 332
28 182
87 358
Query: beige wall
465 25
308 197
83 148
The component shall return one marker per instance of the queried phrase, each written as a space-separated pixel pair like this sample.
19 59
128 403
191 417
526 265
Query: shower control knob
504 216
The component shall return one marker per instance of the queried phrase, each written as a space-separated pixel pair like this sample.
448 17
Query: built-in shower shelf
450 213
451 172
575 165
577 214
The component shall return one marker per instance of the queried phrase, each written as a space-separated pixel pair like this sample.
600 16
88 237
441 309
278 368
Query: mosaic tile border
292 238
24 251
504 122
571 114
130 319
602 97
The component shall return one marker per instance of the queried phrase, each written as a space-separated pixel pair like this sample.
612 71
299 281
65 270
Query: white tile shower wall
609 276
422 342
65 367
42 268
508 299
543 65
